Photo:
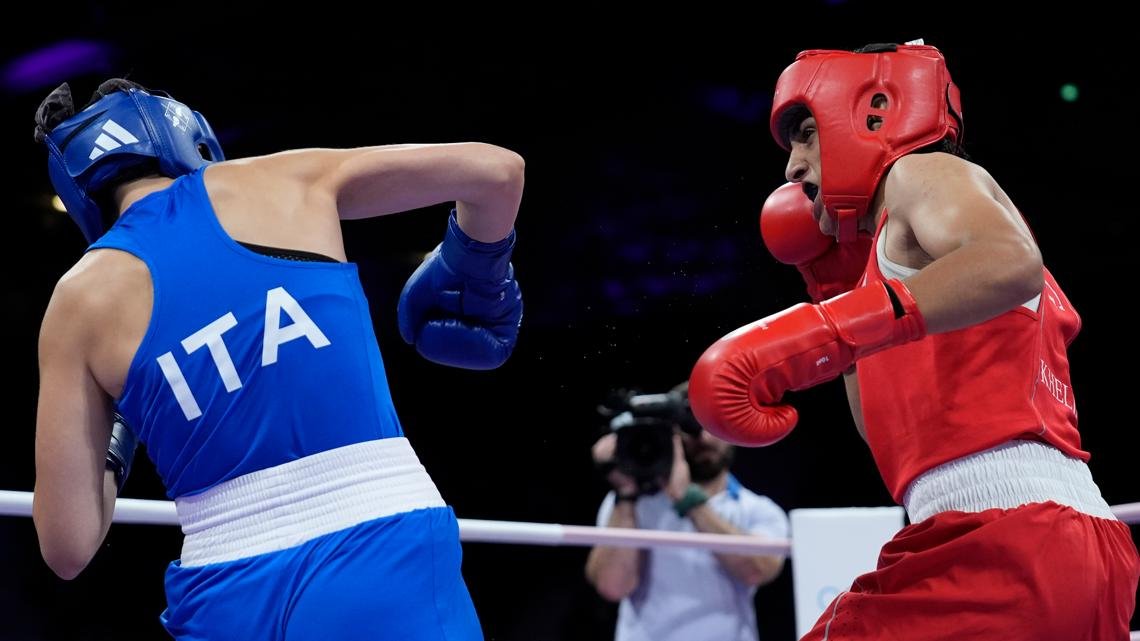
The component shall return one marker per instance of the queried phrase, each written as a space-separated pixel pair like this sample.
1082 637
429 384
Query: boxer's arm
792 236
74 496
984 259
485 182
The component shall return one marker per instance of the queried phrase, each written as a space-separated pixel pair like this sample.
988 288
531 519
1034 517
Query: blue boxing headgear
124 129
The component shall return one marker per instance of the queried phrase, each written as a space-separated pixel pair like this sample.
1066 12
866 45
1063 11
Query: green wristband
693 497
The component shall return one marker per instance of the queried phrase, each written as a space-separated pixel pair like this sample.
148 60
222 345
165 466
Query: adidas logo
113 136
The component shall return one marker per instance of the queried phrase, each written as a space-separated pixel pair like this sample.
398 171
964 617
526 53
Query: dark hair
947 145
108 87
877 47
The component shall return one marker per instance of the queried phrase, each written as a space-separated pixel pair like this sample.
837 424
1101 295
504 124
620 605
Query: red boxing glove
792 235
737 383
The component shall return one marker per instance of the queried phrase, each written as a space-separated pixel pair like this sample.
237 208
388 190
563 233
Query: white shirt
685 594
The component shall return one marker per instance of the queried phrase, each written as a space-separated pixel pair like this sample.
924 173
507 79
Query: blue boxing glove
462 306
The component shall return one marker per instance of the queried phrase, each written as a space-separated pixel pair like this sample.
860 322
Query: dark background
648 158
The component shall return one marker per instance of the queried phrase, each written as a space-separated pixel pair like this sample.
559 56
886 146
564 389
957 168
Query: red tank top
956 393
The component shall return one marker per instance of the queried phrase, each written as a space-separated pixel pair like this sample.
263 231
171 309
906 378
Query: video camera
644 424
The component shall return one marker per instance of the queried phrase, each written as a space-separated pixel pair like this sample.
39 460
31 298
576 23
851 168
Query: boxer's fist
462 307
792 235
736 385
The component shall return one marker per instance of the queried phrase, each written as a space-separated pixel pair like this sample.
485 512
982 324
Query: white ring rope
1127 512
162 513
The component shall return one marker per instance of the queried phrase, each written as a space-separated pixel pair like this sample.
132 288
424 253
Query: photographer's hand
692 502
604 453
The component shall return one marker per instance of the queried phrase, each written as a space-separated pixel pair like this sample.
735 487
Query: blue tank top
249 361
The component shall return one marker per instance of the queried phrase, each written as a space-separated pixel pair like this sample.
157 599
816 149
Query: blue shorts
396 577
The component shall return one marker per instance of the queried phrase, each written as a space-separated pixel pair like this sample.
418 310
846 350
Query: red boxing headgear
843 91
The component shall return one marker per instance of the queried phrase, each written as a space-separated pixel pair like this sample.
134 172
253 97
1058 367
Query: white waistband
285 505
1004 477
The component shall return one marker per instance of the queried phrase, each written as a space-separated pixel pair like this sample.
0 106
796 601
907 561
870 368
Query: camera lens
645 452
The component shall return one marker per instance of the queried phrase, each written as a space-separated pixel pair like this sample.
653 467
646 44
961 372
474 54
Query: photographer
668 474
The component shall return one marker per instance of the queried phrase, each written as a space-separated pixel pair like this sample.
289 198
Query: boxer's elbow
65 569
66 561
66 546
512 169
1025 274
504 172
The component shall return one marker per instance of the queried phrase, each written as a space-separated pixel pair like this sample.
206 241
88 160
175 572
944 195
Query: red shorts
1041 572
